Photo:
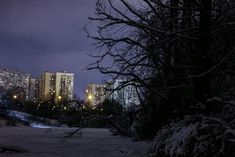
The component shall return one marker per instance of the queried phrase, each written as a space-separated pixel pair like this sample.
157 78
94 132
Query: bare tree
169 49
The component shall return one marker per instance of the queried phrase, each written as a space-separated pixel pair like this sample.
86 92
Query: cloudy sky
47 35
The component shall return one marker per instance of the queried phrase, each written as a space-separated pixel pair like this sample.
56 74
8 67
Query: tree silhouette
171 50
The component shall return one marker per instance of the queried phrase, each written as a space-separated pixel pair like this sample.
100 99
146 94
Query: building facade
33 89
126 96
95 94
56 86
14 82
64 85
47 86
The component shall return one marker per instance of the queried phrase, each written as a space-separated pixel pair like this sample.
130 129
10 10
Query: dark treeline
177 53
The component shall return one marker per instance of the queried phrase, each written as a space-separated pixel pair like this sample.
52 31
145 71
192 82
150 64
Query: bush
199 135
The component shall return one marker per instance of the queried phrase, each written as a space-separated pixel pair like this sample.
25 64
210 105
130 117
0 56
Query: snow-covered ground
52 143
25 117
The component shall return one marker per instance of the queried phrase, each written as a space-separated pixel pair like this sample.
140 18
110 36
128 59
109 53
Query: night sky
47 35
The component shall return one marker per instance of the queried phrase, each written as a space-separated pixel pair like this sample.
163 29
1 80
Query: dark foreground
34 142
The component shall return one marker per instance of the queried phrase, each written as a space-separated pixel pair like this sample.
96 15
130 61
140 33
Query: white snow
51 143
42 126
193 136
20 115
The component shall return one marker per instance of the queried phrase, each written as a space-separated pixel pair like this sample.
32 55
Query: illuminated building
14 82
50 86
47 86
95 93
127 96
56 86
64 84
33 89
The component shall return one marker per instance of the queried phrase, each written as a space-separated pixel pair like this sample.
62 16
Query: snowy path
51 143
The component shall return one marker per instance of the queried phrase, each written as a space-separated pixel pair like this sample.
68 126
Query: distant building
56 86
95 94
33 89
15 83
126 96
47 86
64 85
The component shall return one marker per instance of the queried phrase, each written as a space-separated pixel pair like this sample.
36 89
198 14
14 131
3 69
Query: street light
59 97
90 97
15 97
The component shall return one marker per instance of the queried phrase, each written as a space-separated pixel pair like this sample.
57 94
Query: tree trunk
201 59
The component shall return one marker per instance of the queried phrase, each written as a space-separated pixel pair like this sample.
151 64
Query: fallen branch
70 134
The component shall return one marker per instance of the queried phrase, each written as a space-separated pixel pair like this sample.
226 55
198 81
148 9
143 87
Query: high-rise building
14 82
95 94
47 86
56 86
64 85
33 89
126 96
50 86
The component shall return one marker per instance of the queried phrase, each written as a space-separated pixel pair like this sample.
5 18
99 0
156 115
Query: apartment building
126 96
64 85
33 89
56 86
95 94
14 82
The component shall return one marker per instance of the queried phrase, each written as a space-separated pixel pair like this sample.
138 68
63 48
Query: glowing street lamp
59 97
15 97
90 97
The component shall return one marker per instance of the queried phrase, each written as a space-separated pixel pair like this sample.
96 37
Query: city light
59 97
90 97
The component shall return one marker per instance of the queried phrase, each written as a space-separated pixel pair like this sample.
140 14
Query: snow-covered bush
201 135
